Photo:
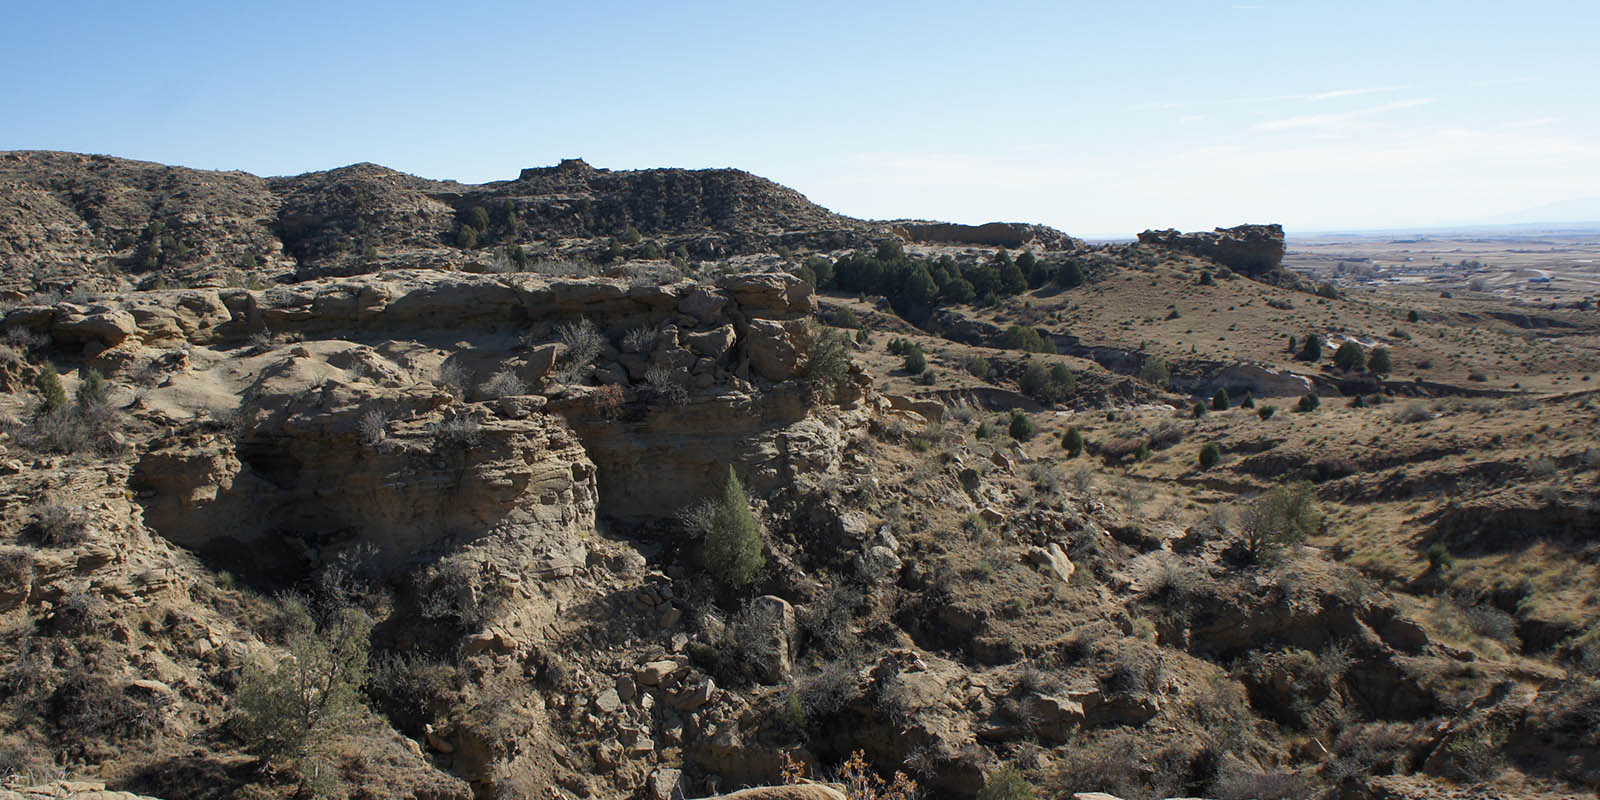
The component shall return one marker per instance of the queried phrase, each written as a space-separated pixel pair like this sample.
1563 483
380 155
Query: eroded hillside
1076 517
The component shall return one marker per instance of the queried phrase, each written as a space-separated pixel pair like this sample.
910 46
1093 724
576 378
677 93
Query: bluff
989 234
1250 249
68 219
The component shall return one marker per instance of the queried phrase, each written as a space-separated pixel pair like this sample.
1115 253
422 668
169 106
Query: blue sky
1097 118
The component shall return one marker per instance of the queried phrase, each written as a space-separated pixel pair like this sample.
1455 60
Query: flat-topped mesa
1250 249
992 234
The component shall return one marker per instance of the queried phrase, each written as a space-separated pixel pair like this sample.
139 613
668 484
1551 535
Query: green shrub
1328 291
1032 340
915 362
1380 362
1206 279
1219 401
1266 411
295 710
1249 401
827 367
1309 402
845 318
1413 316
984 431
1349 356
733 543
1073 443
1021 428
1048 384
1153 370
94 389
1210 455
1006 783
1284 516
1199 409
1312 351
49 385
466 237
978 367
1439 558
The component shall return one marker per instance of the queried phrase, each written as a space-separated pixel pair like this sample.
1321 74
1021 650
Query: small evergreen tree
1413 316
478 217
1022 428
1073 442
94 389
1249 400
1219 401
1070 275
1309 402
1312 351
1349 356
1379 361
915 362
1266 412
1210 455
49 385
732 549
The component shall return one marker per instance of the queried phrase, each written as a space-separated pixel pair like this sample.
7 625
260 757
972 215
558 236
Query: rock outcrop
990 234
70 220
1251 249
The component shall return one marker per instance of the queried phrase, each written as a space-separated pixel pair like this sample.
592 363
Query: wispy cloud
1337 119
1502 82
1536 122
1338 93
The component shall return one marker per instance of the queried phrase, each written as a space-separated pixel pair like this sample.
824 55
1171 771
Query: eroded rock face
301 479
1250 249
351 437
993 234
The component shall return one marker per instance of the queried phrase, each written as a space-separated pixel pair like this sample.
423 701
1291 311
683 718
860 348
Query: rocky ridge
1251 249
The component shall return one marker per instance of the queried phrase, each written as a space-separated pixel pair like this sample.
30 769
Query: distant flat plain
1556 265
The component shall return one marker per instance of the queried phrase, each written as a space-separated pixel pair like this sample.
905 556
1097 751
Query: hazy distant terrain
1543 263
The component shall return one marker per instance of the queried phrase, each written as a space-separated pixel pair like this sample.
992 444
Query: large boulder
770 639
772 295
774 354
